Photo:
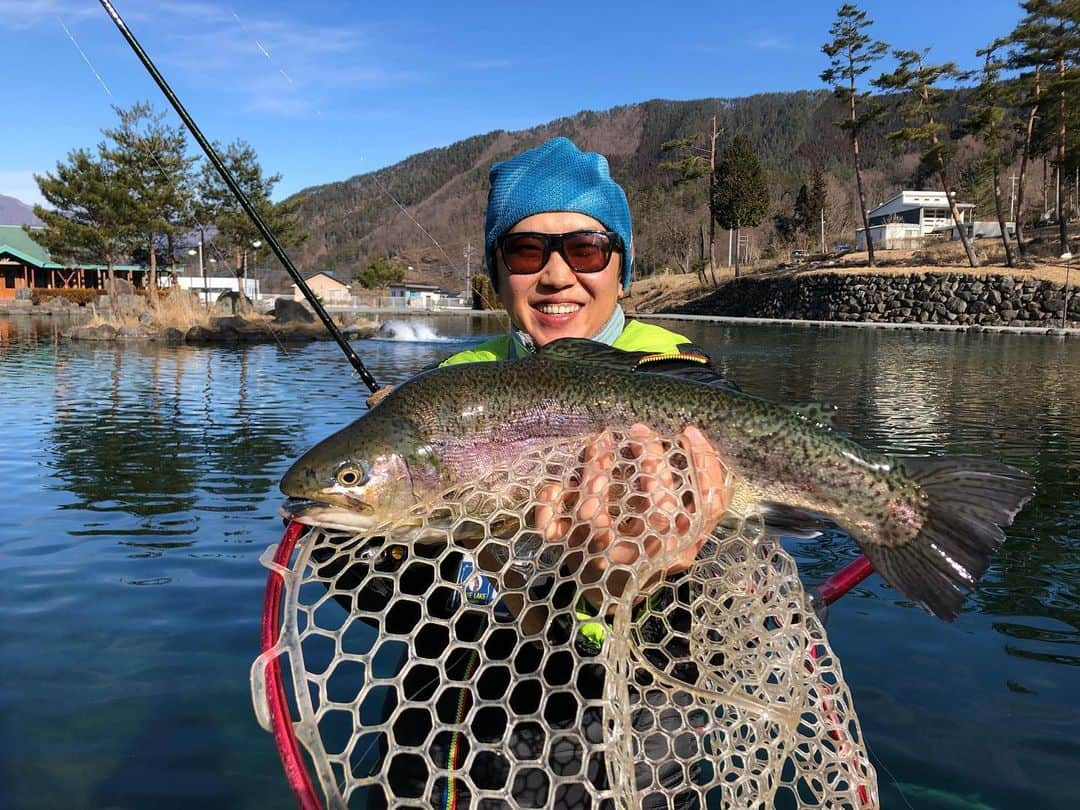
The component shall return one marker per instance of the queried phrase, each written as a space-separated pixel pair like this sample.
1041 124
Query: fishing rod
242 198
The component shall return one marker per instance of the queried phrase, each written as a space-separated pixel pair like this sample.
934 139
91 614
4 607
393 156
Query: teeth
558 309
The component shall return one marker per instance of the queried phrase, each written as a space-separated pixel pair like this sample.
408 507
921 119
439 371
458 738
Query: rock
168 335
233 328
232 303
200 334
100 332
286 310
956 305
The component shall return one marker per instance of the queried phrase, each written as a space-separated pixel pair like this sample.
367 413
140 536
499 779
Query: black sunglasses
583 251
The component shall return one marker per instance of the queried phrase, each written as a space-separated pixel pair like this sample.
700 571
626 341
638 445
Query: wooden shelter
25 263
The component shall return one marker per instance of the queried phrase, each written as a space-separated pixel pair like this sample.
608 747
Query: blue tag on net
478 589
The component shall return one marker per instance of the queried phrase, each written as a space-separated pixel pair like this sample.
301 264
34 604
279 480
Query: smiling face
557 302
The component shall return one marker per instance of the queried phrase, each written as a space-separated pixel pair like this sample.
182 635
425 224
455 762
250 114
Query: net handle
280 717
845 579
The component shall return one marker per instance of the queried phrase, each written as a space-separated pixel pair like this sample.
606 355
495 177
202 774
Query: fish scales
928 525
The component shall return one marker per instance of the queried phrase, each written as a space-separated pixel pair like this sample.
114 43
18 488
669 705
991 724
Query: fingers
710 473
634 498
546 518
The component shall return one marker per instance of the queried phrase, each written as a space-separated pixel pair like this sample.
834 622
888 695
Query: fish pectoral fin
788 521
969 500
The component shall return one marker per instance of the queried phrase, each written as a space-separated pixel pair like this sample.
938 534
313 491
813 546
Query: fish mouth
327 515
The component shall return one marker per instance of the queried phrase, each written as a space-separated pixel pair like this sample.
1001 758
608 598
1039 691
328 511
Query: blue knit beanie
555 176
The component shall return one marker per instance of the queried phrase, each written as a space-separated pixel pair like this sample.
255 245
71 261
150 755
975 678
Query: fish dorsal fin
688 356
688 363
582 350
823 416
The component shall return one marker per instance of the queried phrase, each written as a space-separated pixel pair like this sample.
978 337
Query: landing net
535 638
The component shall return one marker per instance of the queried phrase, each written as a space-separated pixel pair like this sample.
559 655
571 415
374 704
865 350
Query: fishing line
266 52
374 177
423 230
242 198
896 783
215 249
86 59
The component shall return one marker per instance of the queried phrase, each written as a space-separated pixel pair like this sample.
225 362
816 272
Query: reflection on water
141 489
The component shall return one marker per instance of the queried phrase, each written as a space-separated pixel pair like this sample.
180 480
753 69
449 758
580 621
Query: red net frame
277 702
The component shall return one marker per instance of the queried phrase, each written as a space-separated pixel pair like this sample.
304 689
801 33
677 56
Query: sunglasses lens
587 252
524 253
583 251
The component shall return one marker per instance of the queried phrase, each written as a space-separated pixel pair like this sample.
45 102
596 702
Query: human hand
644 503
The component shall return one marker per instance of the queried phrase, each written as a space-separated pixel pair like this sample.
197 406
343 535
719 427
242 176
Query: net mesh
563 632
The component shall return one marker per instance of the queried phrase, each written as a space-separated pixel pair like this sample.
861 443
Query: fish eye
351 475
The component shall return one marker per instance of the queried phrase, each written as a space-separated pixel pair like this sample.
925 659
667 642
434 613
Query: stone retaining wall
948 298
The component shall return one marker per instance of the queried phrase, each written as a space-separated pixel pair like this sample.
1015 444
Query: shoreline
732 320
924 327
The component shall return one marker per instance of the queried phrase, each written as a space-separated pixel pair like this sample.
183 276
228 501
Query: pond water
141 488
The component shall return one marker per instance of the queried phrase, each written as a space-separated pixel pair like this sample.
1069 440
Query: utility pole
202 267
822 231
1012 195
712 182
468 266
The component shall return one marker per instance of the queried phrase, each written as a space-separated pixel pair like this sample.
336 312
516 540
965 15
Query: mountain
16 212
443 191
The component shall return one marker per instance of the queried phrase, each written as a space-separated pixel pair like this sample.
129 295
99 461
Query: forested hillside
443 191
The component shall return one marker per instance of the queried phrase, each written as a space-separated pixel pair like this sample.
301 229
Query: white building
414 294
905 219
208 288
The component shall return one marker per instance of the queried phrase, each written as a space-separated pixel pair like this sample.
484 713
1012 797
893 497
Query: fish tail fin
969 500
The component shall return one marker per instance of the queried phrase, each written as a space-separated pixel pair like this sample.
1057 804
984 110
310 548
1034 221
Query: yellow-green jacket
636 337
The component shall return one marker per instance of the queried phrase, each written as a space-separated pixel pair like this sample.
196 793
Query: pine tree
921 99
694 161
803 214
852 53
152 161
216 204
1047 40
1028 90
740 195
988 119
92 214
818 199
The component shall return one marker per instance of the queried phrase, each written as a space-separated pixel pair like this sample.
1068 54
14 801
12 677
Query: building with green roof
25 263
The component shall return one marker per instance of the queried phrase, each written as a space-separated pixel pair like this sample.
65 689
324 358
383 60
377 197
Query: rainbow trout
927 525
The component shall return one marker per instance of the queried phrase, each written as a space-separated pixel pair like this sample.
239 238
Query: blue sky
326 90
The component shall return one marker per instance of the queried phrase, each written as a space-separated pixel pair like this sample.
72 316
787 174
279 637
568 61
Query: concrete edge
924 327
